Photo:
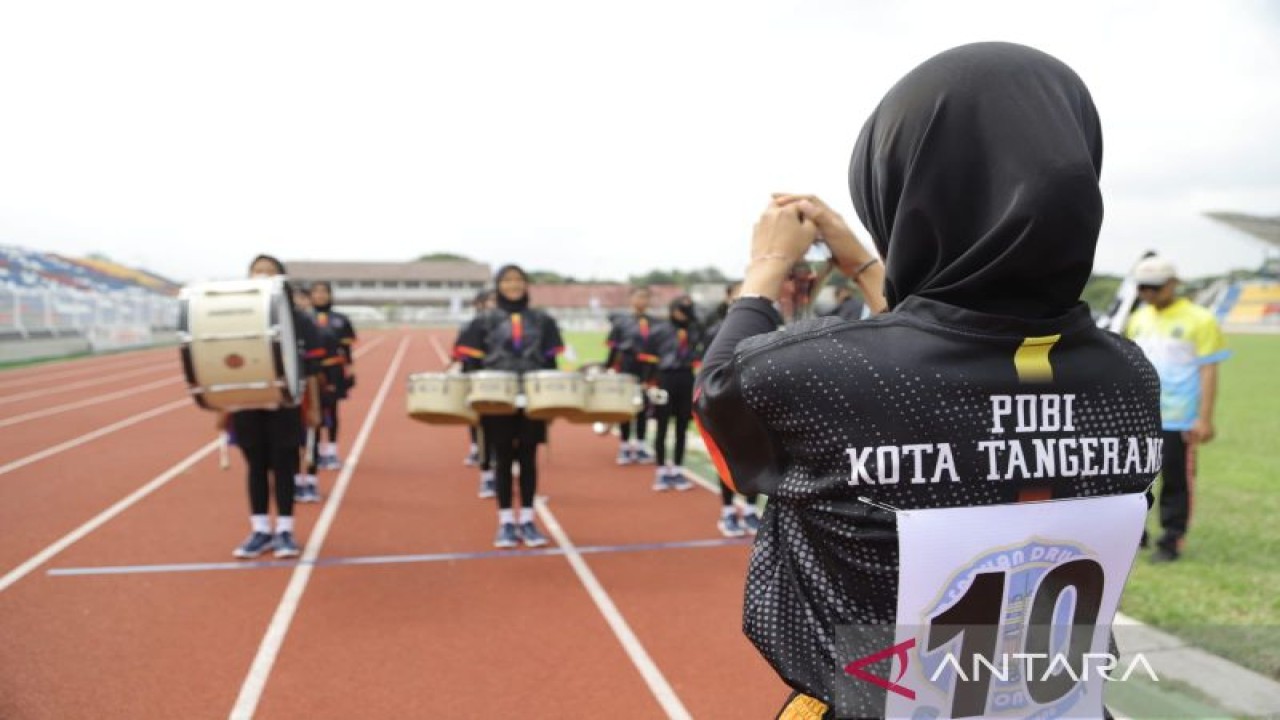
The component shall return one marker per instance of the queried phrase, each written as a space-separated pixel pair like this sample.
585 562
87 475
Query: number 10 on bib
1005 611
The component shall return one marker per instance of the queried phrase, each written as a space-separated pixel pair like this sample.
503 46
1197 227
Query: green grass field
588 347
1224 595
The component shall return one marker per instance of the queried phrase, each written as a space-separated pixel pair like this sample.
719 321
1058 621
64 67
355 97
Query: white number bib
1004 611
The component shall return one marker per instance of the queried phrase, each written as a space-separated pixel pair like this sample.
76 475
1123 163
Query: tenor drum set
453 398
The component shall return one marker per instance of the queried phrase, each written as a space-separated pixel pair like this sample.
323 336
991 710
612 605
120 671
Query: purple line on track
390 559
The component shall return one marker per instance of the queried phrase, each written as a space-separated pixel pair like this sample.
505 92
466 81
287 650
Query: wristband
863 268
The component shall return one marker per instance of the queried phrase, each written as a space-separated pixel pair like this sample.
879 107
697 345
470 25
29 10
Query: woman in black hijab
677 343
516 338
977 177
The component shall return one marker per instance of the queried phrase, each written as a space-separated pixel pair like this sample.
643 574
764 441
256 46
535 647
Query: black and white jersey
929 406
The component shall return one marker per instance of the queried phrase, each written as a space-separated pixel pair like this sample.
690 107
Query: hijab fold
977 177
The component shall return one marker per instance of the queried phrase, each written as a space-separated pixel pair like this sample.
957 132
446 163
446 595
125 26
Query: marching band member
628 342
677 342
269 440
516 338
338 375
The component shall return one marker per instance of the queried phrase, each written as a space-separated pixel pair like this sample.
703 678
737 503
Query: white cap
1154 271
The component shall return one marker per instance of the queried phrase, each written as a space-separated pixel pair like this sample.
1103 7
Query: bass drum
239 349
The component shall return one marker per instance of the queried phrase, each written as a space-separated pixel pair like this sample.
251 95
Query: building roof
391 271
1266 229
599 295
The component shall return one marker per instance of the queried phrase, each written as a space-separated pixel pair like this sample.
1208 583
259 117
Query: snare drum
493 392
440 398
554 394
239 350
611 399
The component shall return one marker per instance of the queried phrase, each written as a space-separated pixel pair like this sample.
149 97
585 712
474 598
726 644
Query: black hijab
977 177
327 307
684 304
511 306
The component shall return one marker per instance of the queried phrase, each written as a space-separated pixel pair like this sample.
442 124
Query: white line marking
256 681
79 366
98 521
84 383
90 436
440 351
6 422
94 435
658 685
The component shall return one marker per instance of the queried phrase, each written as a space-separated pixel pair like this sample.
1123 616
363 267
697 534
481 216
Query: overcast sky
594 138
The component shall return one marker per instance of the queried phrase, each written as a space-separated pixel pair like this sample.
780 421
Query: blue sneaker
624 456
730 527
661 481
284 545
751 522
678 481
306 493
253 546
531 536
488 485
507 536
643 456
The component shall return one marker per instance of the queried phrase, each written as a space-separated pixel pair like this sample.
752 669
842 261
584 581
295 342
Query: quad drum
611 398
440 398
552 394
494 392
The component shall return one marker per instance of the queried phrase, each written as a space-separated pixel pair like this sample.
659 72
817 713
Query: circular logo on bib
234 361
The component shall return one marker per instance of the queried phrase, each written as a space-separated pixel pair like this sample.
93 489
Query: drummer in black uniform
514 338
269 440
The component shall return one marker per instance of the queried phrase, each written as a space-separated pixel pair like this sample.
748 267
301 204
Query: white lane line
439 348
256 681
658 685
94 435
98 521
91 436
6 422
79 366
84 383
653 677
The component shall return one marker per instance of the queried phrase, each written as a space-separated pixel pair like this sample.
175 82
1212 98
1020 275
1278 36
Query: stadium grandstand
52 305
1249 303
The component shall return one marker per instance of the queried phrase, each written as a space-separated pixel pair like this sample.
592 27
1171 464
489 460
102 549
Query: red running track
119 598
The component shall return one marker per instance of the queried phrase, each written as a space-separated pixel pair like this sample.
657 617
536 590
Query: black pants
1177 476
484 448
679 407
640 422
269 441
514 439
329 416
726 495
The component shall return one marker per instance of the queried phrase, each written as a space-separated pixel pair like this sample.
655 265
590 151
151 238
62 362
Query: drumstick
224 456
311 444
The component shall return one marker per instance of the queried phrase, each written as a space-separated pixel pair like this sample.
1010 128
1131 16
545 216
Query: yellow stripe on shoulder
803 707
1032 359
